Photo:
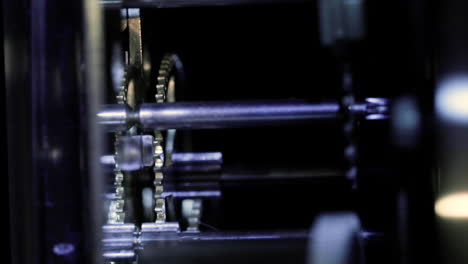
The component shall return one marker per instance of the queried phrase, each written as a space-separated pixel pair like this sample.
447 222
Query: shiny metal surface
231 114
179 159
215 115
113 117
227 236
119 255
119 242
201 157
135 152
149 228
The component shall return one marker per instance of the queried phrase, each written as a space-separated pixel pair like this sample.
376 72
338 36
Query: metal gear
165 92
116 213
165 87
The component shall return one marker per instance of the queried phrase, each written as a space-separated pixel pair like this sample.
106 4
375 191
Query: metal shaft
230 247
203 115
215 115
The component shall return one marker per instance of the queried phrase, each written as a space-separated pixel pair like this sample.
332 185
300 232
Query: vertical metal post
94 81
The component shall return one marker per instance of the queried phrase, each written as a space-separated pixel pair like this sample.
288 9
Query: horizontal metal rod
186 3
114 117
197 158
216 115
223 236
210 115
180 159
231 247
194 180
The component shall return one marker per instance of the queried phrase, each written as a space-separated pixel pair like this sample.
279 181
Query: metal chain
117 204
160 202
163 79
116 213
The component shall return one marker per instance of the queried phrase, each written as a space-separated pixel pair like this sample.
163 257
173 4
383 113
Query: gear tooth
158 176
158 150
161 88
119 191
119 176
116 213
158 163
162 82
158 136
158 190
160 96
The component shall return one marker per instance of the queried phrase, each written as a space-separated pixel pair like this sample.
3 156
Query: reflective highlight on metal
453 206
373 106
113 117
119 241
451 99
191 194
107 160
63 249
377 117
160 227
192 212
119 255
121 228
203 157
377 101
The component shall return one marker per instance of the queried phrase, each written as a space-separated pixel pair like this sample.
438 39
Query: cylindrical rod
214 115
229 247
113 117
202 115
